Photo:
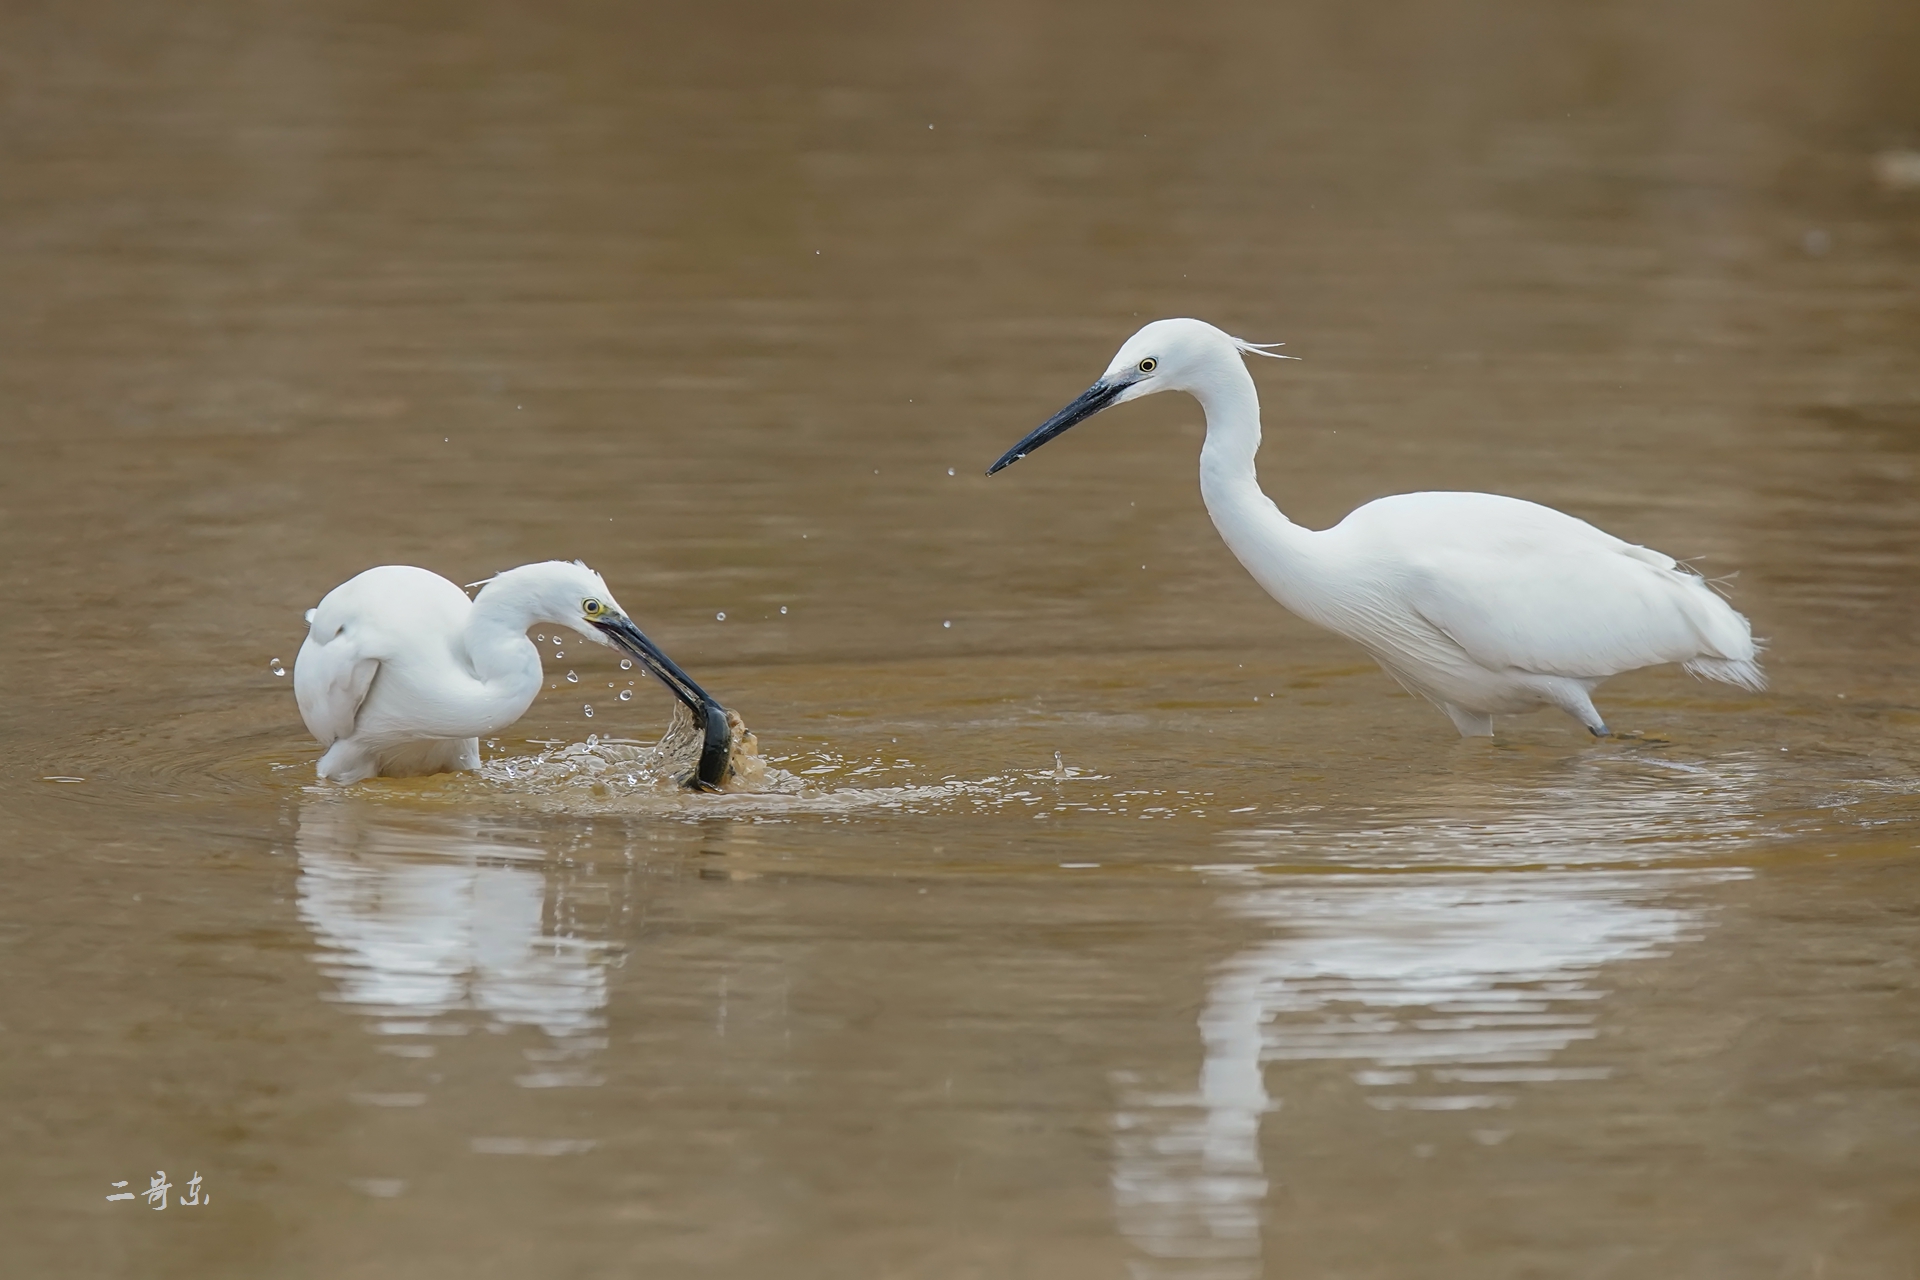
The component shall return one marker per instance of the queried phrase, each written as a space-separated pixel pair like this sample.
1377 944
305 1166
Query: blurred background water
1111 921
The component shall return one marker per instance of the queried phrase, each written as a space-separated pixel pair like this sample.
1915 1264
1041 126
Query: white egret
401 674
1483 605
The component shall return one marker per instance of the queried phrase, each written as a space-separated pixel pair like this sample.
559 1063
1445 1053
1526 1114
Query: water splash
620 775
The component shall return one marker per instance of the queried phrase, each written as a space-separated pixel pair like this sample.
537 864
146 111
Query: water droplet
558 654
948 623
626 664
572 678
626 695
273 665
540 636
949 470
720 617
556 637
783 609
589 710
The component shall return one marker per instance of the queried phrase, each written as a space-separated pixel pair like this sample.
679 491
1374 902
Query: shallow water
1125 926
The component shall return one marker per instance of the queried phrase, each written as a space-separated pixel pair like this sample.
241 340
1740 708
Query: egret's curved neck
496 636
1277 552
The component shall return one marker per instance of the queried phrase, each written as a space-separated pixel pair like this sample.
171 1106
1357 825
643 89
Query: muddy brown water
1125 926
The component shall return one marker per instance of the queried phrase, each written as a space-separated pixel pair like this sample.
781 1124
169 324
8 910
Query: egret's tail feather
1744 672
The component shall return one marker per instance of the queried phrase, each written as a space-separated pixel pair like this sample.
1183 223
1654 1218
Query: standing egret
1481 604
401 674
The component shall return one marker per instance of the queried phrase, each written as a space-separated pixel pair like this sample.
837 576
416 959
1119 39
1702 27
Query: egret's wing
330 681
1585 611
1519 586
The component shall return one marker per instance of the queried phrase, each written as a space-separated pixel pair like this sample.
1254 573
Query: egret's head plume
1176 355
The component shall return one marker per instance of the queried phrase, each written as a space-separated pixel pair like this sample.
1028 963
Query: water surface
1107 921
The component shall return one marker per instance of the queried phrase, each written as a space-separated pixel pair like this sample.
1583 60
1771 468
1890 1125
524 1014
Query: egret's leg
1471 724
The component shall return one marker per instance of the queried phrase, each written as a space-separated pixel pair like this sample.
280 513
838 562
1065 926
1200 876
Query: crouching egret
1481 604
401 674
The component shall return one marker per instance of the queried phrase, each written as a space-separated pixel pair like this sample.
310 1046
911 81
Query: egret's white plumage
1484 605
402 674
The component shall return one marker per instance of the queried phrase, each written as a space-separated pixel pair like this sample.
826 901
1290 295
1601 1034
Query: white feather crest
1260 349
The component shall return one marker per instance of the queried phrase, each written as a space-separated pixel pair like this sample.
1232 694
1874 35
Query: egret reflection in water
1452 992
437 926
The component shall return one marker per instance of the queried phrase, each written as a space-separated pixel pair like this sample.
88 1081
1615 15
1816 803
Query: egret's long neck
496 635
1280 554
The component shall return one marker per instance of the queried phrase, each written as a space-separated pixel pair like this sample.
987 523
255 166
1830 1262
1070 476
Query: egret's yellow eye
1149 365
592 608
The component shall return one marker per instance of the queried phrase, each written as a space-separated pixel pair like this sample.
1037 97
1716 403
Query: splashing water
616 765
623 775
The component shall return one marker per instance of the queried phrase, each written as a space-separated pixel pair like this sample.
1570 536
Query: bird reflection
1447 992
433 925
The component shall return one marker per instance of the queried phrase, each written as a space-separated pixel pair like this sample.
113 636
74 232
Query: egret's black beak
1091 401
710 715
